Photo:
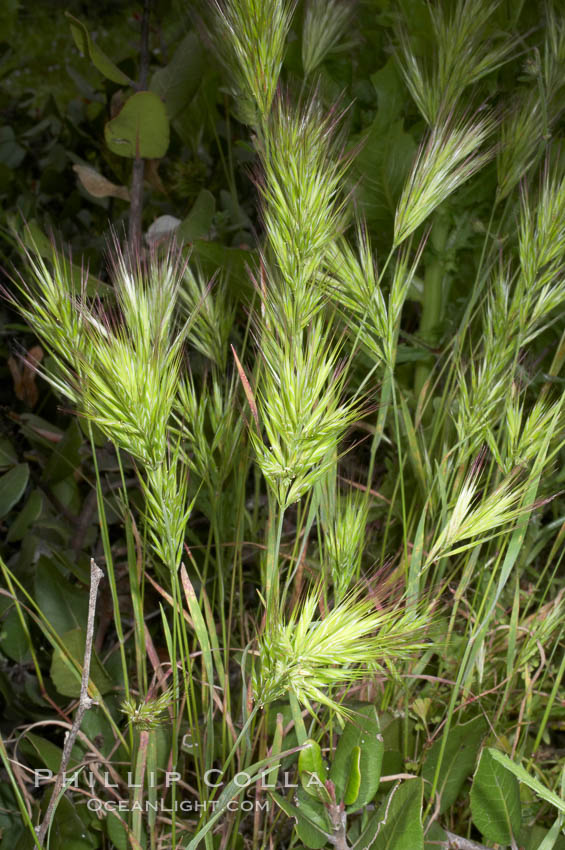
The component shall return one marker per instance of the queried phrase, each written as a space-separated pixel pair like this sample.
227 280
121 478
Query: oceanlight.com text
96 805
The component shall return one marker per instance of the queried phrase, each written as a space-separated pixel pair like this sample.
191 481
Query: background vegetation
315 445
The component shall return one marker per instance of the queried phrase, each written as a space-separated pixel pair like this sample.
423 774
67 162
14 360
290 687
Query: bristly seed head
308 654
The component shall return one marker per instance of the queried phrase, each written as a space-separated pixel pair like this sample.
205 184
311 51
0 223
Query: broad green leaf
199 220
458 762
11 153
12 486
354 779
495 801
8 456
392 730
48 752
233 261
310 758
361 730
14 642
99 59
66 455
393 763
141 128
312 812
376 820
397 824
68 830
66 675
63 604
312 771
528 780
382 166
311 833
30 512
178 81
117 831
230 203
68 494
391 93
403 828
95 724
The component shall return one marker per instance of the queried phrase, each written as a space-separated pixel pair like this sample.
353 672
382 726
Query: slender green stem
272 590
432 304
299 726
109 563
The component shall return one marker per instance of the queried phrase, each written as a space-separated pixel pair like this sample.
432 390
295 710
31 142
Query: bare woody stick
84 702
136 190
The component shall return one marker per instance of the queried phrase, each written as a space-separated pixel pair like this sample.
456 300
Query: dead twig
136 190
84 703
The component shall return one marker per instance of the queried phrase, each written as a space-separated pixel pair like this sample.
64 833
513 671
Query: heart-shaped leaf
141 128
